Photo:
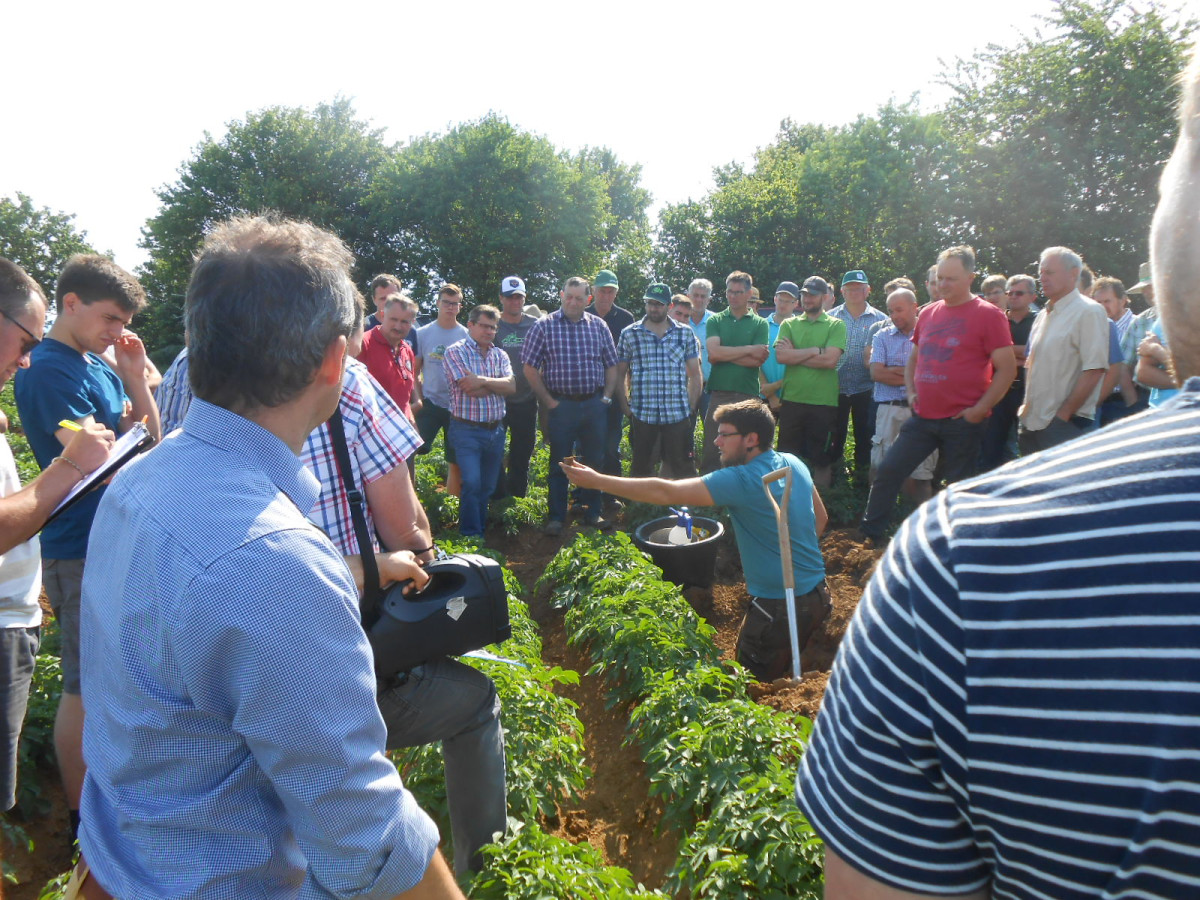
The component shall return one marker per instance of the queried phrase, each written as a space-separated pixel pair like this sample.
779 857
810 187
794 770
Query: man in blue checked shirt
232 753
664 359
570 360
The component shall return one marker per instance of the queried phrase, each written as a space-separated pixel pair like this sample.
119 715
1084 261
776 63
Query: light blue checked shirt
233 741
853 375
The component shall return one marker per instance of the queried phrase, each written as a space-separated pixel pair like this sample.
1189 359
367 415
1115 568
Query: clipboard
137 439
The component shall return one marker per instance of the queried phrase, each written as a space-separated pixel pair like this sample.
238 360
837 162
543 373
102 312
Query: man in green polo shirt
810 346
737 348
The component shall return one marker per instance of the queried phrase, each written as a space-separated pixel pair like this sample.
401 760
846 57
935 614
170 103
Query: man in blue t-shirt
744 435
68 382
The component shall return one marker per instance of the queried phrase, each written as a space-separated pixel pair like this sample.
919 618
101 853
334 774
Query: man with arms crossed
1013 710
292 796
737 347
745 432
521 409
22 513
67 381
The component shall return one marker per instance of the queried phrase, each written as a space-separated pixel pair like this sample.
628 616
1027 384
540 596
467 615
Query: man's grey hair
267 297
703 283
401 300
1028 280
1069 257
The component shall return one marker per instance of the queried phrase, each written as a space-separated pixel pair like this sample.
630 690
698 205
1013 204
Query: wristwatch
607 401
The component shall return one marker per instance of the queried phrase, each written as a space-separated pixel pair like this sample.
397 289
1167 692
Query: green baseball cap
658 293
855 276
605 278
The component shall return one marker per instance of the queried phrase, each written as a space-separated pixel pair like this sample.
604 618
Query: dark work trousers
612 441
957 441
677 448
859 406
521 420
1057 432
998 445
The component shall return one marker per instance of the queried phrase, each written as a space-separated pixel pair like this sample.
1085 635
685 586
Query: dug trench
615 813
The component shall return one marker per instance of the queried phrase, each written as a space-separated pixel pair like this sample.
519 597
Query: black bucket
688 565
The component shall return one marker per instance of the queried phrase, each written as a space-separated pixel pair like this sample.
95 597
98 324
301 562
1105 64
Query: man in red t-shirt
389 358
961 366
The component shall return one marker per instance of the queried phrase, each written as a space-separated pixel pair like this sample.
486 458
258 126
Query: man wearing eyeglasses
998 446
22 513
432 341
68 381
737 347
744 434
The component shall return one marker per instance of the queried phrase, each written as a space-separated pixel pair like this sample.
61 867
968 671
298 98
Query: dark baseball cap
788 287
658 293
815 284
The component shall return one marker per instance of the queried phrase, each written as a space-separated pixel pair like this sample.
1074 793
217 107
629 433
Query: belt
474 424
893 403
577 398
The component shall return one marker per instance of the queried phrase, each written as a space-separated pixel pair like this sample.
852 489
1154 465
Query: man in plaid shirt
570 360
480 376
664 358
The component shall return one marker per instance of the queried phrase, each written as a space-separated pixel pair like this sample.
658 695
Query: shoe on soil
553 528
613 505
595 520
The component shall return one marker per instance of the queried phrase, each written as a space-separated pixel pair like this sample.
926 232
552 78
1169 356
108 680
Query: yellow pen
70 426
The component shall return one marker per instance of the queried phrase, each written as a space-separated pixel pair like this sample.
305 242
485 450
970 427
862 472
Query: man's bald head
902 309
1175 235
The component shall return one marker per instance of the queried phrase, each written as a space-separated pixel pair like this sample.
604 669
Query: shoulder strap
366 547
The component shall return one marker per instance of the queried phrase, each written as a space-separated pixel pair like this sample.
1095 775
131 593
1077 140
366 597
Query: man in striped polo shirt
480 376
1026 725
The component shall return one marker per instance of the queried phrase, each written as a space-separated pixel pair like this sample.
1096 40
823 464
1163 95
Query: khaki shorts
888 420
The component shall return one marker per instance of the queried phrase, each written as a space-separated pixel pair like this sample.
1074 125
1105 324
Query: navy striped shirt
1017 701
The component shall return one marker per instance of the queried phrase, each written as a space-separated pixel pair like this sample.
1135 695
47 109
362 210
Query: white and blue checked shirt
658 371
853 375
234 744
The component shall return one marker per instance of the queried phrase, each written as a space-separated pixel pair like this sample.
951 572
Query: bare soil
615 814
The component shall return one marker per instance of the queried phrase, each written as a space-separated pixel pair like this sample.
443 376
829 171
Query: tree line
1057 139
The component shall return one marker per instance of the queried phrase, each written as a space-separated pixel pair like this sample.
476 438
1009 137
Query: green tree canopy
485 200
871 195
1066 133
316 165
39 240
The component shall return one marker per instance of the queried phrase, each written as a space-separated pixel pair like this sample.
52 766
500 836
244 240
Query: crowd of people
966 744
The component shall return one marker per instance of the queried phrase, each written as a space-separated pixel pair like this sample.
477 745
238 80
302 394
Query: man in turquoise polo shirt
736 339
810 346
744 436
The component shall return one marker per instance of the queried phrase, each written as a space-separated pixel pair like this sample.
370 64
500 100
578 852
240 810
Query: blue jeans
450 702
575 420
480 454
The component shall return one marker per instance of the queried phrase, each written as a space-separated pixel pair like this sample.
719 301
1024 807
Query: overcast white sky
116 95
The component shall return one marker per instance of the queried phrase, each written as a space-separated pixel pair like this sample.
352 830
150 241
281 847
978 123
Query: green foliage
677 698
55 888
316 165
706 758
532 864
14 835
1067 131
27 467
441 508
756 843
39 240
486 199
